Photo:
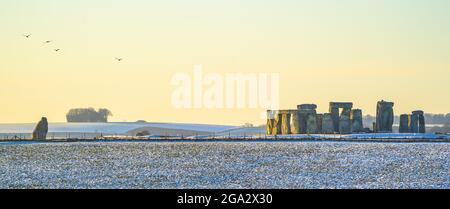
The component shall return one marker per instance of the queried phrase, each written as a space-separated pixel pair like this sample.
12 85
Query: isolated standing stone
40 132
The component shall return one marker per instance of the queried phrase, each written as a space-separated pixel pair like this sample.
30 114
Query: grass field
224 165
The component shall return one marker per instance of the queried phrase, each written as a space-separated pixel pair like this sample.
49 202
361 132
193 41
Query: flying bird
47 42
27 36
57 50
119 59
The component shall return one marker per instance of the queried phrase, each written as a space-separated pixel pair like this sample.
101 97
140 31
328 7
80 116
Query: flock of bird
57 49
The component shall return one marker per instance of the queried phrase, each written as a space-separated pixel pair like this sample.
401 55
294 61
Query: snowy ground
335 137
224 165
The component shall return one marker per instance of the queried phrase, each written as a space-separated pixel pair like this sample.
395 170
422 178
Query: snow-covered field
335 137
224 165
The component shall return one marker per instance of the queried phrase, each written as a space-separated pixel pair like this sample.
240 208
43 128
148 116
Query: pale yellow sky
325 50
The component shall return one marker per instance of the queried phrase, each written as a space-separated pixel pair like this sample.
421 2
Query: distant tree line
437 118
440 129
88 115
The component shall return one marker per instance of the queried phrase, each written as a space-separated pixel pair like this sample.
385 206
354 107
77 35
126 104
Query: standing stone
417 122
41 130
311 124
357 121
319 123
269 126
334 110
335 116
327 123
422 128
307 118
345 125
385 117
302 121
277 124
414 123
285 123
295 128
270 122
405 123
